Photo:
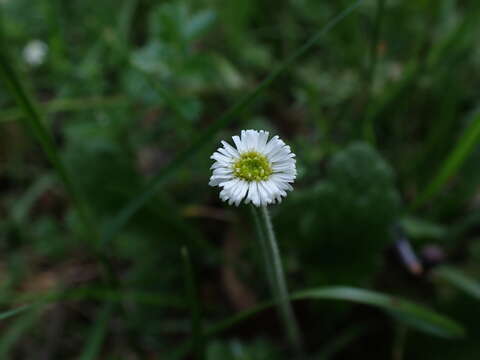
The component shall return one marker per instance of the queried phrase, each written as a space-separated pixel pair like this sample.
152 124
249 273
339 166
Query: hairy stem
276 275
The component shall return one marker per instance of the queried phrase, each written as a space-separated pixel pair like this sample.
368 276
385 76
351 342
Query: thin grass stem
198 344
262 239
277 280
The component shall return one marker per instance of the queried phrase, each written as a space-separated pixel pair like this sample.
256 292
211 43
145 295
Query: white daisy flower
35 52
256 170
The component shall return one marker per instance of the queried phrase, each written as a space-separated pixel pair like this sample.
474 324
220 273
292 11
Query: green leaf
458 279
233 113
425 319
416 316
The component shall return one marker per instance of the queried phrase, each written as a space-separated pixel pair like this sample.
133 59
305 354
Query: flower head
257 170
35 52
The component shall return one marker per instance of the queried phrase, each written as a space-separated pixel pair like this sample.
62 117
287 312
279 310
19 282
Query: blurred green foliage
384 128
350 214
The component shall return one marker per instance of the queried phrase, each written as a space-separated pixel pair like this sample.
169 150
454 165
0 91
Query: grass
104 158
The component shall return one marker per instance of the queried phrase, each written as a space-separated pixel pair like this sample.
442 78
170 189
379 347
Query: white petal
254 135
252 193
231 150
224 152
276 149
263 193
229 184
256 194
243 190
283 166
279 156
221 158
217 180
223 171
239 144
262 141
216 165
277 145
271 144
238 192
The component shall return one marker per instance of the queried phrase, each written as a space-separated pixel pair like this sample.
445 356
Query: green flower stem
276 276
264 247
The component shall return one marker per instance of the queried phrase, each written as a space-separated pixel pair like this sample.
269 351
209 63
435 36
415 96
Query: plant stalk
276 277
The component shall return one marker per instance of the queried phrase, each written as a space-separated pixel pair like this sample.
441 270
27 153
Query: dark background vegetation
383 114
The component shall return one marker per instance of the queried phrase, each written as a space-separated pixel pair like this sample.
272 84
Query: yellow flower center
252 166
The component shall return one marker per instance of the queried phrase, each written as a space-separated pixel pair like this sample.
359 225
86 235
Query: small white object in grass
35 52
255 170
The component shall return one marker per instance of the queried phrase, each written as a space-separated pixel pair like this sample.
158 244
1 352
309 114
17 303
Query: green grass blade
455 160
33 121
98 333
417 316
459 280
10 313
16 330
196 316
135 205
457 39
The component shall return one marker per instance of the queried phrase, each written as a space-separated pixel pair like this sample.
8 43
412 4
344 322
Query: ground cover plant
113 244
